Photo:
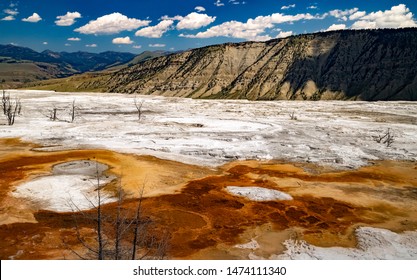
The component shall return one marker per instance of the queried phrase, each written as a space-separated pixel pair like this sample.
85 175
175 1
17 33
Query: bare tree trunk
119 222
5 100
138 106
73 111
53 114
136 223
10 109
99 221
130 231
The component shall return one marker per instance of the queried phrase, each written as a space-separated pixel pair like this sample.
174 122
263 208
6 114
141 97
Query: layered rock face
359 65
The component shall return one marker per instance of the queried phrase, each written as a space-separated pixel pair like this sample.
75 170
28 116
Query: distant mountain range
20 65
346 64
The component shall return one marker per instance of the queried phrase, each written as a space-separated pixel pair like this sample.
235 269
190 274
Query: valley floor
326 184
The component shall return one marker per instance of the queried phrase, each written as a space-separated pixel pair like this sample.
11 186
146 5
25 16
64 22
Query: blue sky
136 26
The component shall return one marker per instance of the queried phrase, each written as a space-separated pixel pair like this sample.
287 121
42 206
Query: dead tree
10 108
5 99
99 219
387 138
138 106
136 229
53 115
122 235
72 111
293 117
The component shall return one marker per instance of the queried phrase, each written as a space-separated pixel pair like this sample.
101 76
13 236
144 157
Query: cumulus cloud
253 29
191 21
397 17
171 18
45 43
288 7
91 46
68 19
357 15
157 45
137 47
155 31
33 18
284 34
336 27
74 39
343 15
122 41
312 7
11 12
218 3
200 9
112 24
195 21
8 18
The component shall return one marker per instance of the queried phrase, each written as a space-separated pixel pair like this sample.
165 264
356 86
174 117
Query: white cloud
33 18
68 19
312 7
336 27
171 18
343 15
112 24
364 24
45 43
74 39
200 9
11 12
253 29
357 15
284 34
195 21
67 45
122 40
288 7
157 45
155 31
218 3
398 17
137 47
91 46
191 21
236 2
8 18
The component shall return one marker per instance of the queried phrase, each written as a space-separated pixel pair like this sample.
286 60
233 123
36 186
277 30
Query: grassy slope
71 83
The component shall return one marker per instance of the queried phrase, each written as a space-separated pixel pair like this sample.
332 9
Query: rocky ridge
348 64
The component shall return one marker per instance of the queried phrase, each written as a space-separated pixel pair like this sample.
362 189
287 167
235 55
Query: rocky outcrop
349 64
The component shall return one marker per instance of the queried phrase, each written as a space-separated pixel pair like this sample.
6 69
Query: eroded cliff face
364 65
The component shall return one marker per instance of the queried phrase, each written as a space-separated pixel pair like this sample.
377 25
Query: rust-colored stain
192 204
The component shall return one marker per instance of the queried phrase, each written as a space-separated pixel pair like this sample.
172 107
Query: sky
172 25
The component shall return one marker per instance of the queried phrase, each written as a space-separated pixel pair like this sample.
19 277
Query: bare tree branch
138 106
10 109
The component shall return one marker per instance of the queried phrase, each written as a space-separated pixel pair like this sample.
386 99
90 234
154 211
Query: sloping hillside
361 64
